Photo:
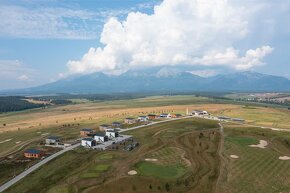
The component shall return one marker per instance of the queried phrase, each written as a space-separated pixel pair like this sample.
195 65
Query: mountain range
162 80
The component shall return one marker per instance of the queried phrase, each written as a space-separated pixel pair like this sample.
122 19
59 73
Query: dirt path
223 160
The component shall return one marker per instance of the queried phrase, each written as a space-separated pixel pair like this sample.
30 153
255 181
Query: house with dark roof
152 116
104 127
143 118
86 131
88 142
52 140
33 153
164 115
112 133
116 124
101 137
130 120
176 115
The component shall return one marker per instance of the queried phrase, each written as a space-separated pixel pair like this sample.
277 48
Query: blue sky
44 40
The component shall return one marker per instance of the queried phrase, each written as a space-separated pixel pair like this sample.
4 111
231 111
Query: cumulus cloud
183 32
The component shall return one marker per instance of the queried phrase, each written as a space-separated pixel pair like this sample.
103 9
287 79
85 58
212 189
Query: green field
257 170
159 171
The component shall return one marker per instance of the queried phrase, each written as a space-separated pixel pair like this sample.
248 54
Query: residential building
112 133
104 127
116 124
199 112
33 153
86 132
130 121
101 137
52 140
143 118
165 115
88 142
152 116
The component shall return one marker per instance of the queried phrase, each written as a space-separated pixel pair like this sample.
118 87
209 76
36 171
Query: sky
42 41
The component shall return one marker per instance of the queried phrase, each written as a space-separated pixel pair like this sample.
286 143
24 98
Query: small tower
187 113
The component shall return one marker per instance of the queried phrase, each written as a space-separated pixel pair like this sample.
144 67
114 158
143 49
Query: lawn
159 171
95 170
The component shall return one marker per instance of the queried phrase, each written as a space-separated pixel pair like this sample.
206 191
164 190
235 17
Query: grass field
89 171
257 170
188 152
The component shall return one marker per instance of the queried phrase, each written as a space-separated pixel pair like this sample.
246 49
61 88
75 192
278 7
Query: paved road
34 167
154 123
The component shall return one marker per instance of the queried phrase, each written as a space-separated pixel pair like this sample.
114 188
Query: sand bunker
234 156
284 158
261 145
17 142
132 172
7 140
151 160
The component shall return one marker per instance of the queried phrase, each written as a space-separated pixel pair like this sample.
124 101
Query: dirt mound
261 145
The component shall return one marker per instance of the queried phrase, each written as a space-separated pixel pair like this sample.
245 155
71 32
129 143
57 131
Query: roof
178 114
116 123
104 125
87 129
112 130
163 114
34 151
151 115
53 137
101 134
142 116
198 111
129 118
88 139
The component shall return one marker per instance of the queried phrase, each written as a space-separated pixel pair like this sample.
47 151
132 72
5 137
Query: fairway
164 172
256 170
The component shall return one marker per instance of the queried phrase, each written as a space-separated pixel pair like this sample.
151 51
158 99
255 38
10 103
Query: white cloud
195 32
40 22
14 69
23 77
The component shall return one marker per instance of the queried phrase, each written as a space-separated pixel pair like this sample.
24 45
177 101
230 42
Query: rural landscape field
144 96
192 154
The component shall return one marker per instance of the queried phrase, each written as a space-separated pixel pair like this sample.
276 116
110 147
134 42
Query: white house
143 118
165 115
112 133
88 142
199 112
101 137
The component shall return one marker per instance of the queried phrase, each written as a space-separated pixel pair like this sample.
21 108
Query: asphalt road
34 167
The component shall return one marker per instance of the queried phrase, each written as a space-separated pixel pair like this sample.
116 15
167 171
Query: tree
167 187
150 187
4 124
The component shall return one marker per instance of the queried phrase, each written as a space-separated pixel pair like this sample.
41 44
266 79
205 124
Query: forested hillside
15 103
